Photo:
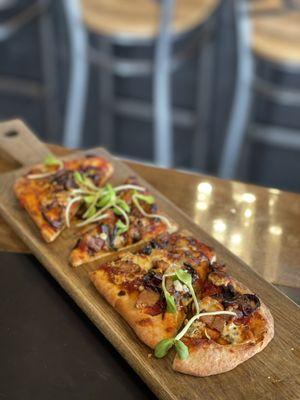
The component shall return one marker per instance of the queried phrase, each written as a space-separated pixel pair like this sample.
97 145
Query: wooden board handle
23 146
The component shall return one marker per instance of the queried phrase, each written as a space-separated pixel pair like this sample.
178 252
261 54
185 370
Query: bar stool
126 23
267 31
45 90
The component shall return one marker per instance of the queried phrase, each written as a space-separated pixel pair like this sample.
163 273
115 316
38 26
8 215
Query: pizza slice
126 215
144 289
230 326
45 190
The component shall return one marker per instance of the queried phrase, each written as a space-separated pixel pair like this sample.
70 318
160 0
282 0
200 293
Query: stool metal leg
236 133
200 151
76 99
106 95
163 138
48 62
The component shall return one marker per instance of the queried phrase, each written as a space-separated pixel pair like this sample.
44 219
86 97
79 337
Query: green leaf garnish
122 228
90 212
111 192
171 306
184 277
163 347
182 349
121 203
89 200
104 200
51 160
146 198
79 178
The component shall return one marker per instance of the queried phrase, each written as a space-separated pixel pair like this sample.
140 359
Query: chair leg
79 69
239 118
205 62
106 92
49 73
163 137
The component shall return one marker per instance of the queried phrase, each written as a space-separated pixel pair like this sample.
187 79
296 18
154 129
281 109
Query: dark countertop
49 348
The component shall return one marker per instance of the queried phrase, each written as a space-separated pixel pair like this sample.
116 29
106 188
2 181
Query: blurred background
205 85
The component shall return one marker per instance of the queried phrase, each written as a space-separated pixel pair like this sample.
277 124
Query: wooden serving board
272 374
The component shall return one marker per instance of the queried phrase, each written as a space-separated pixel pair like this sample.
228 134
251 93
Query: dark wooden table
49 349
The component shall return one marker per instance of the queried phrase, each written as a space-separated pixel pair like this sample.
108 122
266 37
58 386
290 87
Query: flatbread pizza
45 190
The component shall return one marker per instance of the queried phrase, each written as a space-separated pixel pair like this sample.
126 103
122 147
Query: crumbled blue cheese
103 236
180 287
232 333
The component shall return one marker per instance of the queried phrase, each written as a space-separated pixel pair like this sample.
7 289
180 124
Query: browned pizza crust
78 257
150 329
28 199
211 358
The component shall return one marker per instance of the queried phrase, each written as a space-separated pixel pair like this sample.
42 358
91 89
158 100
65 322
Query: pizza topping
152 281
49 162
248 303
95 244
181 285
165 345
233 333
55 223
147 298
150 200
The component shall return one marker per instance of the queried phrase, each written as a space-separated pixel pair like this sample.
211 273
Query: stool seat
276 33
139 19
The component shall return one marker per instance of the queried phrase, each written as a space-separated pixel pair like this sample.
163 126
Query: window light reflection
202 205
219 225
205 187
248 197
275 230
236 239
248 213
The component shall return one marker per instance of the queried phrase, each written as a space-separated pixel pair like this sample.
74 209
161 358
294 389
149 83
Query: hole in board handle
12 133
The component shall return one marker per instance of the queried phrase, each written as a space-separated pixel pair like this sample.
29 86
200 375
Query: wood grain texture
272 374
276 31
140 19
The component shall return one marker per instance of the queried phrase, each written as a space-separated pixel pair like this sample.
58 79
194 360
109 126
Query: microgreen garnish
98 200
186 278
165 345
122 228
84 182
49 161
182 349
171 306
148 199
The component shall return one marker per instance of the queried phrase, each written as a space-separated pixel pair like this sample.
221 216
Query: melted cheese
218 279
210 304
232 333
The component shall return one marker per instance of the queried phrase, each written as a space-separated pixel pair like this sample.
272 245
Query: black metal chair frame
165 62
241 129
47 89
